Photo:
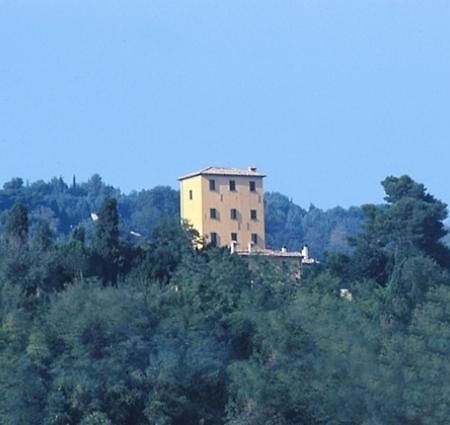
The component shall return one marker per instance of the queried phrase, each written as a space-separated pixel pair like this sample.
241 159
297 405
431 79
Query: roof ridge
217 170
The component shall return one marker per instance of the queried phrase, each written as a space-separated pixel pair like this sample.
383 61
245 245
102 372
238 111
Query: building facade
225 205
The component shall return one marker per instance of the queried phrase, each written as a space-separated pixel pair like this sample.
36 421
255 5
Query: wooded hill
108 332
64 207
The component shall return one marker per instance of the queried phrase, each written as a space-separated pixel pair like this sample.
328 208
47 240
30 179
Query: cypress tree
106 242
16 228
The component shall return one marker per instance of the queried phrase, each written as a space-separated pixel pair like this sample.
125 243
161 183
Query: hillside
105 332
65 206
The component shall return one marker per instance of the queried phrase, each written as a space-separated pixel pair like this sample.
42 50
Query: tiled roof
224 171
272 253
278 254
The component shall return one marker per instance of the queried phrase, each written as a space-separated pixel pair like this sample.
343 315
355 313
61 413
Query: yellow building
225 205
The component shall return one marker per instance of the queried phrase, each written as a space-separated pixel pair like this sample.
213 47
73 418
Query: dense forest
100 327
63 207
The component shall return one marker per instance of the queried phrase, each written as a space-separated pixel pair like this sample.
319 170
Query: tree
415 218
42 240
410 224
106 242
16 228
169 243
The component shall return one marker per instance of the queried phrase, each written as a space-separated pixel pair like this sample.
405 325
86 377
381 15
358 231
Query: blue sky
326 97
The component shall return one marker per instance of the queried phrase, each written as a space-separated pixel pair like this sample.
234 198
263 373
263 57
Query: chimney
305 252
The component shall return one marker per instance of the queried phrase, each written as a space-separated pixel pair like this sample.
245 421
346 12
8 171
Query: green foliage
43 237
189 337
411 224
16 228
160 257
64 207
106 241
290 226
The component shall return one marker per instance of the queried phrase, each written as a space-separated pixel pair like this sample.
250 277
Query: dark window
253 214
214 238
232 186
190 195
255 238
252 185
212 213
233 214
234 237
212 185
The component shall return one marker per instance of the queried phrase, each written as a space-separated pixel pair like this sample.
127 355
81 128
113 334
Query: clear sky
326 97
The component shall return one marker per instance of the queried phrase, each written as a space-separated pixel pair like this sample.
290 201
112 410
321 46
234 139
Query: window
232 186
252 186
233 214
253 214
191 195
214 238
212 185
234 237
212 213
255 238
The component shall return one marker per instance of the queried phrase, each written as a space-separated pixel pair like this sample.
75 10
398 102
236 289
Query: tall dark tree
106 242
16 228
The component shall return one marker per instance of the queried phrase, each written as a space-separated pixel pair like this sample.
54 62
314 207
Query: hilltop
65 206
